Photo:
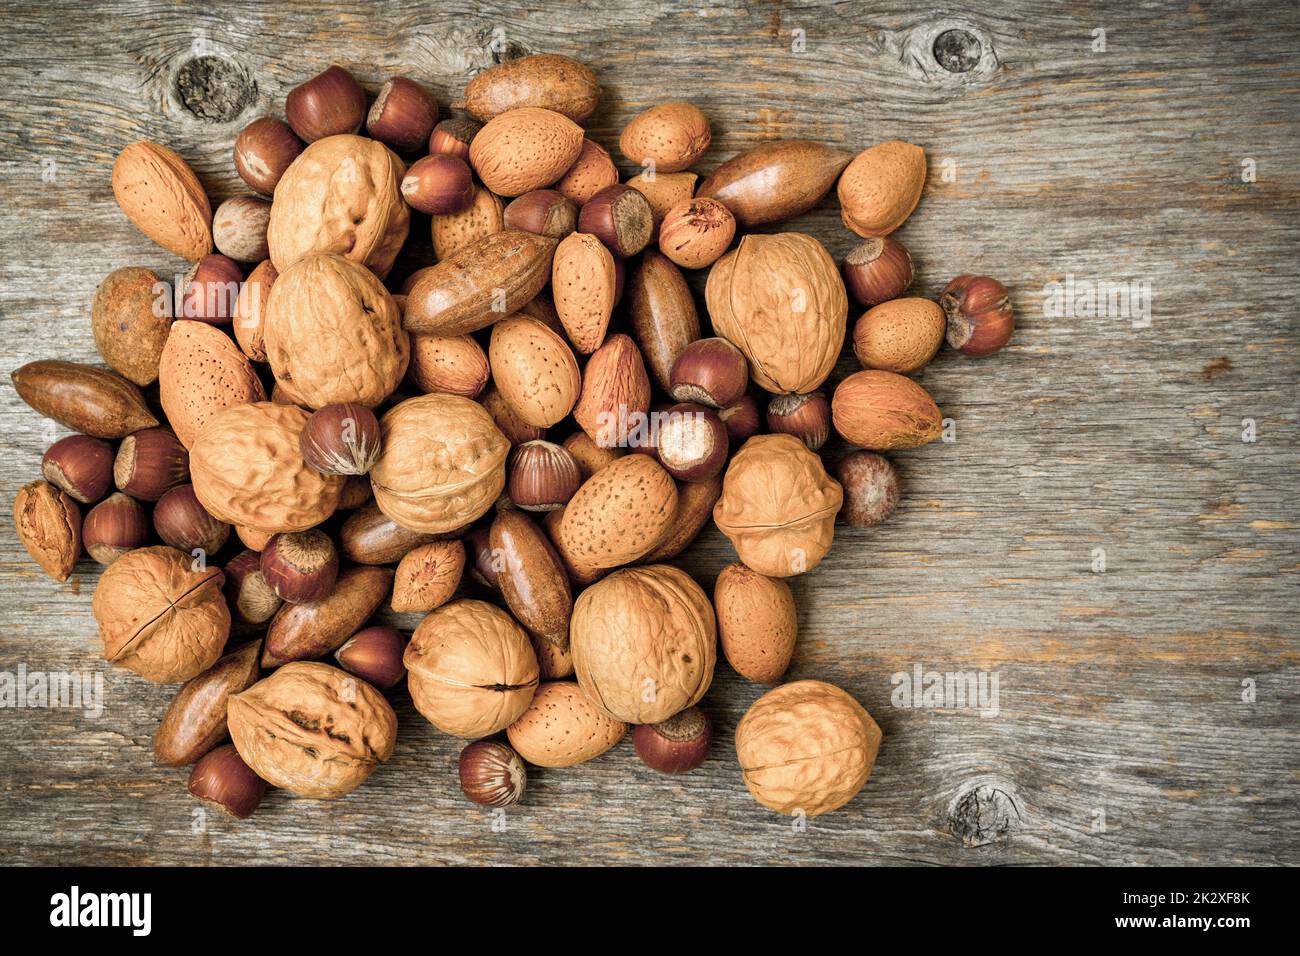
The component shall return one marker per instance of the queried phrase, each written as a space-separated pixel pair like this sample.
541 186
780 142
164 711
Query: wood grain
1120 692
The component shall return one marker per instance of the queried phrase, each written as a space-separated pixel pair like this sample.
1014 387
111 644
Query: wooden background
1121 692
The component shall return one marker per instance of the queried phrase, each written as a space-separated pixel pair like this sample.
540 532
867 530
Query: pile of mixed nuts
541 405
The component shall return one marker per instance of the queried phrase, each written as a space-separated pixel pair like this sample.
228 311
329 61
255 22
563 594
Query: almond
535 371
901 335
881 187
663 191
615 399
202 371
670 135
661 311
48 522
561 727
427 576
524 149
544 80
619 514
590 456
160 194
591 172
583 281
448 363
507 419
757 623
883 410
250 310
483 217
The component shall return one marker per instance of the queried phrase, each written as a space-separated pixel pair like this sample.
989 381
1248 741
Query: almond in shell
250 310
615 400
618 514
883 410
900 335
671 136
201 373
584 281
663 191
591 172
455 364
535 370
524 149
484 216
881 187
757 623
160 194
561 727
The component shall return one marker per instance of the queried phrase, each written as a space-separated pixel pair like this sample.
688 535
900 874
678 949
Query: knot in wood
984 814
214 88
957 51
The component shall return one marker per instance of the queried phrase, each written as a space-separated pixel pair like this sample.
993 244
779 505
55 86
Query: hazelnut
48 523
806 417
711 372
482 564
329 103
741 419
452 137
239 228
492 774
264 149
250 597
356 492
878 270
221 777
184 523
375 655
113 527
340 440
543 476
439 185
675 745
696 232
692 442
150 462
980 320
210 290
402 115
80 465
300 566
870 488
545 212
620 217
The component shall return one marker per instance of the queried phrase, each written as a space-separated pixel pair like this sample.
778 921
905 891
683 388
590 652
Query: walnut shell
312 729
247 470
618 514
470 669
334 334
780 300
524 149
341 195
160 616
806 746
561 727
644 642
443 463
202 372
535 370
778 506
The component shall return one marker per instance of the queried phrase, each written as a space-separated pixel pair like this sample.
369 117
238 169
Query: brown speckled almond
202 371
485 216
881 187
618 514
757 622
583 282
590 173
900 335
534 370
160 194
615 393
524 149
561 728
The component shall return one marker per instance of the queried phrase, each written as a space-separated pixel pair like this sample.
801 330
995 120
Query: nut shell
672 136
160 617
427 576
663 191
195 722
239 228
661 312
775 181
340 440
561 727
615 398
696 232
374 654
90 400
900 335
130 316
620 513
114 527
264 149
535 370
247 470
470 669
485 216
249 317
312 729
591 172
202 373
48 523
778 506
757 623
881 187
491 774
159 192
524 149
306 631
531 577
544 80
448 363
583 282
644 643
80 465
871 489
806 746
883 410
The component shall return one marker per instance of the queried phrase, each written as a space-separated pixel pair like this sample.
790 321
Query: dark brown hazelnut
692 442
301 566
113 527
870 488
806 417
452 137
184 523
330 103
492 774
878 270
741 419
402 115
222 778
264 149
438 185
980 320
709 372
545 212
356 492
676 745
249 596
375 655
80 465
543 476
210 290
150 463
620 217
340 440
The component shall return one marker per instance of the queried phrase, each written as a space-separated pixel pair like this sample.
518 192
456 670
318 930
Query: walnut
806 746
780 300
312 729
160 615
470 669
644 642
333 331
778 506
443 463
247 470
341 195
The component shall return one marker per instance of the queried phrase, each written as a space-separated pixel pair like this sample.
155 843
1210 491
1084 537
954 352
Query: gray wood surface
1121 692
